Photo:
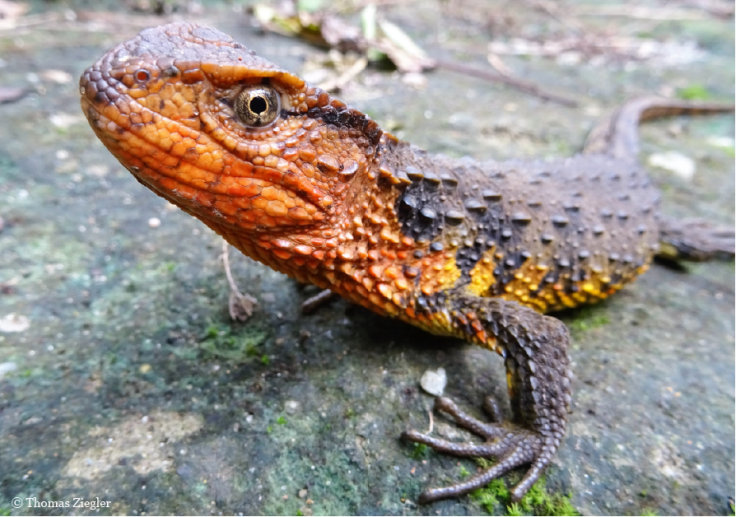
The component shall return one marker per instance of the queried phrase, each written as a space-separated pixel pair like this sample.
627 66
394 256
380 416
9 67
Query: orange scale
259 203
276 209
204 198
236 191
199 184
251 215
298 213
240 202
171 184
375 271
270 193
267 221
375 299
217 187
385 290
269 174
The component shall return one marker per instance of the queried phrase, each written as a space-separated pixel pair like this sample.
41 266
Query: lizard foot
513 446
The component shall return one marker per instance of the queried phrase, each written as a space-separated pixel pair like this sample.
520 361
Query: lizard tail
695 240
618 135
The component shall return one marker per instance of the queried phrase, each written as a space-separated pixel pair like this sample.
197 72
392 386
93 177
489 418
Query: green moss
485 498
695 92
236 345
498 487
484 463
730 151
588 319
281 420
513 509
648 512
420 452
464 472
537 501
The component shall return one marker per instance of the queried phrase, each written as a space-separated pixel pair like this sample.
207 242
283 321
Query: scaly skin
459 248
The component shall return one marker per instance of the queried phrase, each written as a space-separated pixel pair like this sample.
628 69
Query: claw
492 409
512 447
458 448
462 419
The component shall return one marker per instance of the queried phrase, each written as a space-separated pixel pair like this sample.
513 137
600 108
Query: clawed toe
511 446
466 421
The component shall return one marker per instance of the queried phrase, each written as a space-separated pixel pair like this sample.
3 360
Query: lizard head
227 136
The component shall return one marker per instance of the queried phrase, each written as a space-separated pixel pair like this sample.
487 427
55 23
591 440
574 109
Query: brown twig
643 13
519 84
552 10
337 83
240 305
312 303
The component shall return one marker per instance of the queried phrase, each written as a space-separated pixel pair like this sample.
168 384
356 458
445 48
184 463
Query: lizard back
548 234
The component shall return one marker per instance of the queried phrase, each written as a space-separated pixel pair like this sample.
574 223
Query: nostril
142 75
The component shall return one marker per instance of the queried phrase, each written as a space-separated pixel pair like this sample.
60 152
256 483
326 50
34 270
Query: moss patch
495 499
237 345
588 318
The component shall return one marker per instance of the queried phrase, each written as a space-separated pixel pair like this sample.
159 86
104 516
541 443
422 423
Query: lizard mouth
196 172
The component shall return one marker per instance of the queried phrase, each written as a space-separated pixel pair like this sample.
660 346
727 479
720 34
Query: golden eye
258 105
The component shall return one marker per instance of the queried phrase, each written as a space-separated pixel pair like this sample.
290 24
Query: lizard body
315 189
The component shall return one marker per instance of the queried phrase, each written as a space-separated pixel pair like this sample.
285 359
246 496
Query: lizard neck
359 250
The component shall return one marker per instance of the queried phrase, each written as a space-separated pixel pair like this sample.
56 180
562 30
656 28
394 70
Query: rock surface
133 385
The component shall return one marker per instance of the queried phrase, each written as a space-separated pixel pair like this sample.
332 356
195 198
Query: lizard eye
257 105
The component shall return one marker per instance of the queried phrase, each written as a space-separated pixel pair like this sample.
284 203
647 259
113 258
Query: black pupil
258 105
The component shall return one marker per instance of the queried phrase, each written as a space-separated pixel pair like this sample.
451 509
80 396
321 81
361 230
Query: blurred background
124 377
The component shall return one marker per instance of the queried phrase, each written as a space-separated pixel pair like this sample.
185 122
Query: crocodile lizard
313 188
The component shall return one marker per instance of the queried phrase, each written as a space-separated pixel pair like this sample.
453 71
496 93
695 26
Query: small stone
98 171
302 493
14 323
721 141
56 76
683 166
65 120
154 222
414 79
434 382
291 406
7 368
144 368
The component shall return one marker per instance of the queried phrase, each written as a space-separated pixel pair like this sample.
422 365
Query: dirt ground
123 378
